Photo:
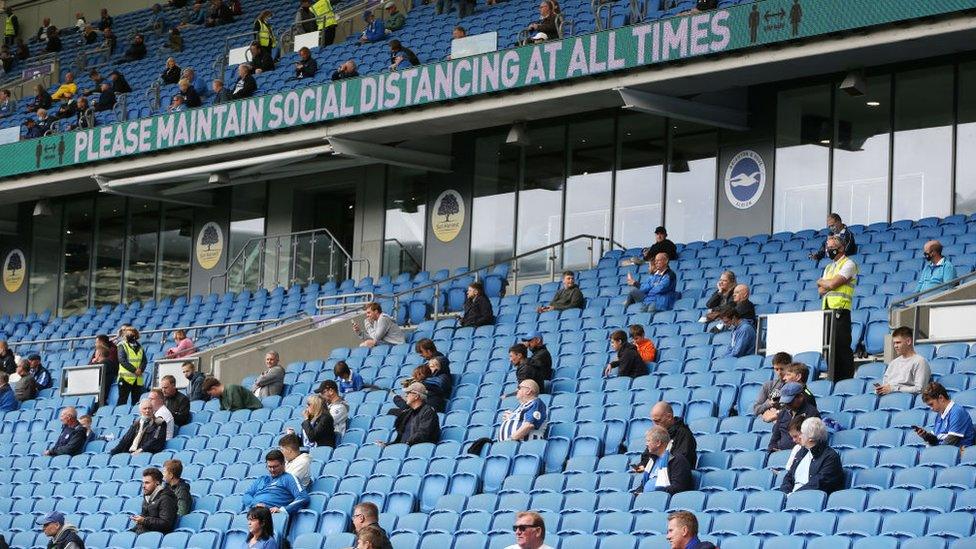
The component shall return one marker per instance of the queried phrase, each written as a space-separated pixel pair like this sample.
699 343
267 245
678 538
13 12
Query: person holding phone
953 426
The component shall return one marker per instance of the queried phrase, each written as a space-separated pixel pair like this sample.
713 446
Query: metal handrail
405 251
904 302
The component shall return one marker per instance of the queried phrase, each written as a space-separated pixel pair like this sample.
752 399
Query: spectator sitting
198 83
90 433
743 342
261 59
158 505
908 372
84 115
6 60
937 269
119 83
232 397
39 372
318 427
524 369
747 311
701 6
306 67
176 402
260 529
272 381
42 31
658 291
177 104
348 380
836 227
68 109
567 297
345 70
8 360
380 329
394 19
529 420
645 347
663 470
106 21
39 126
194 389
245 85
171 74
221 94
89 36
374 31
172 476
540 359
147 433
184 345
296 461
477 307
629 362
80 23
219 14
8 401
428 350
545 27
683 531
42 99
439 383
26 387
196 17
401 57
419 423
767 399
682 440
53 43
278 490
71 441
338 408
661 245
7 104
793 402
109 41
106 99
721 298
365 521
953 426
62 534
136 50
816 466
157 21
158 401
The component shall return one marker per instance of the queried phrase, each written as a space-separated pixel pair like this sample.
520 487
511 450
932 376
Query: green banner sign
743 26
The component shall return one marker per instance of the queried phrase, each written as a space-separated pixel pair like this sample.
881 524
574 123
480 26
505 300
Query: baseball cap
661 230
789 391
530 336
417 388
53 516
34 356
367 14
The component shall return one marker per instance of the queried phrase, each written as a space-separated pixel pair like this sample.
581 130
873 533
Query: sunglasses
523 527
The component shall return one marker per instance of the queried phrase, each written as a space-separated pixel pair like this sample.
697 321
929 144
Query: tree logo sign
210 244
14 270
447 215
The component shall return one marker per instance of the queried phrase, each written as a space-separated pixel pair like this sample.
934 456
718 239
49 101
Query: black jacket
747 311
417 426
195 389
263 61
568 298
339 75
477 312
7 363
542 360
683 443
153 439
191 97
308 68
70 442
629 362
184 501
781 439
321 430
248 87
718 299
135 52
528 370
826 472
179 406
171 75
665 246
159 513
66 537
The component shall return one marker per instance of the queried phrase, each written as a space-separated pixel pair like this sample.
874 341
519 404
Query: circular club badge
210 244
447 215
14 270
745 179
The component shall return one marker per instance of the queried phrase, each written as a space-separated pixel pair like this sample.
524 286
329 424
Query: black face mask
188 376
832 253
927 256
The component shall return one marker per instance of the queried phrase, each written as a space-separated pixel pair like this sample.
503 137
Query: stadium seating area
901 493
427 34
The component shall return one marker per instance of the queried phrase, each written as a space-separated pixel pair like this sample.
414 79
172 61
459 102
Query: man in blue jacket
937 270
8 402
658 291
374 31
40 373
743 340
278 491
71 441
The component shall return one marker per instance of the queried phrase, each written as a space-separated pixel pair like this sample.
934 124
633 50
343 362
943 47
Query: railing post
590 249
311 258
293 264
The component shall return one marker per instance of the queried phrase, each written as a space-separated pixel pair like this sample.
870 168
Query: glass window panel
247 220
690 212
588 189
640 179
923 143
861 138
541 198
493 211
78 216
45 260
966 141
140 271
406 220
803 137
109 245
176 244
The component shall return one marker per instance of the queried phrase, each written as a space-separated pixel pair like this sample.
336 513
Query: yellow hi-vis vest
8 27
136 358
323 12
266 38
841 297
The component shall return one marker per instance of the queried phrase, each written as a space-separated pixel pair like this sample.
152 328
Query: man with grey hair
419 422
272 381
26 386
663 471
529 420
530 531
816 465
836 287
71 441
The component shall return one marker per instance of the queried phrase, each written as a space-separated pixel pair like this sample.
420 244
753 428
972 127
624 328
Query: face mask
188 376
927 256
831 253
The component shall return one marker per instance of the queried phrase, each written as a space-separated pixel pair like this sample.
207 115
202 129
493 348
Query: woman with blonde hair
318 428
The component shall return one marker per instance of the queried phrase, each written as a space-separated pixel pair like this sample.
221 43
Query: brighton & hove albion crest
745 179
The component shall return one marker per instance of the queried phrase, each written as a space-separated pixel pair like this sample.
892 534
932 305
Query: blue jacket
42 377
8 402
281 491
934 275
743 341
374 31
659 290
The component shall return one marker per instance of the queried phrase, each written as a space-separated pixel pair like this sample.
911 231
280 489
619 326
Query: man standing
176 402
419 423
158 505
232 397
272 381
682 440
836 287
194 389
71 441
567 297
63 536
11 27
908 372
836 228
768 396
937 270
529 420
530 531
366 516
793 401
378 328
661 245
953 426
278 490
540 359
658 292
663 471
158 402
325 21
338 408
683 530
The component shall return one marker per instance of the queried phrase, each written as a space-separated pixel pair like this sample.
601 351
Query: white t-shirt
340 414
298 468
167 416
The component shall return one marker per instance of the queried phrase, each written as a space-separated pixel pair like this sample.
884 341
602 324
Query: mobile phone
877 385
